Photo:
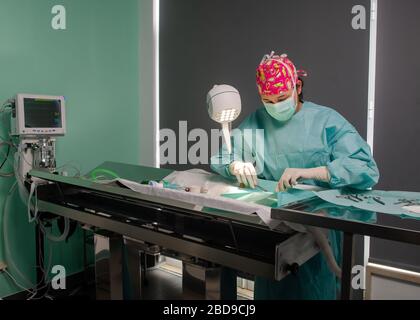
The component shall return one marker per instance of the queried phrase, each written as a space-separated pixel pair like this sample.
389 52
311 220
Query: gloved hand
244 172
291 175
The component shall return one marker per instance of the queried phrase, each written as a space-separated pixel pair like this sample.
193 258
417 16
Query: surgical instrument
377 199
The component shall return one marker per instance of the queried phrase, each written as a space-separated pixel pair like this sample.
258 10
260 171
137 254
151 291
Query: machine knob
292 268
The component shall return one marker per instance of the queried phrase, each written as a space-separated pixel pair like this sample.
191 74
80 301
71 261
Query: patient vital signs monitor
39 115
37 120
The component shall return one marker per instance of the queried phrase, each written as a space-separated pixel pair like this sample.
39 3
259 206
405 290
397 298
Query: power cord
9 145
6 157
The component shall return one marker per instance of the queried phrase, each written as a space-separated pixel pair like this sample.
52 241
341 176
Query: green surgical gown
315 136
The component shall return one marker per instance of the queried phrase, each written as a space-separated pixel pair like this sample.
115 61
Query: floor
162 283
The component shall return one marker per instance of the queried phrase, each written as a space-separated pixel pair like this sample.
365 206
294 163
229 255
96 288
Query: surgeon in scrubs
303 143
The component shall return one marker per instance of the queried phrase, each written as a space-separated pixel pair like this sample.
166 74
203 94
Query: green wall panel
94 64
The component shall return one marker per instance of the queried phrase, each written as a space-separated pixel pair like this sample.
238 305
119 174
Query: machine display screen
42 113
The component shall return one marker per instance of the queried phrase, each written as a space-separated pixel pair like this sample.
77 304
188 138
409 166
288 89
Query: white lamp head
224 103
224 106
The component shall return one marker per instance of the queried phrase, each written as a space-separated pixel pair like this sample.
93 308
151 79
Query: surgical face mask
283 110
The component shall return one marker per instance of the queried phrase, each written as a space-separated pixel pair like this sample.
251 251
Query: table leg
347 266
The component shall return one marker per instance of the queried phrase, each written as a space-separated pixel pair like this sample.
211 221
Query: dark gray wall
397 129
203 43
221 41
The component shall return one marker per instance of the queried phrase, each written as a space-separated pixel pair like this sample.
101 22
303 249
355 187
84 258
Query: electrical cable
33 290
6 243
6 156
9 144
33 190
45 273
59 238
17 282
7 103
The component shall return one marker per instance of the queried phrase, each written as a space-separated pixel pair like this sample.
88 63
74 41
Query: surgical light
224 106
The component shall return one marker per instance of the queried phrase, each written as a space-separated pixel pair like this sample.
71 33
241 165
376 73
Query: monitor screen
42 113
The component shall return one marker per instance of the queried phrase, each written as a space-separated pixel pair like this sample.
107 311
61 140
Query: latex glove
291 176
244 172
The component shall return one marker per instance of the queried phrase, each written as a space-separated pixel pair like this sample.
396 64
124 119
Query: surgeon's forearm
321 174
